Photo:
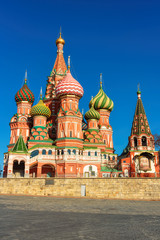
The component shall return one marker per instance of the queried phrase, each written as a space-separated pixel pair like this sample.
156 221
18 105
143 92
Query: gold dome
60 40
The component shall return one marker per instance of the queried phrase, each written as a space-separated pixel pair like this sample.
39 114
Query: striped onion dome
69 86
24 94
102 101
92 114
40 109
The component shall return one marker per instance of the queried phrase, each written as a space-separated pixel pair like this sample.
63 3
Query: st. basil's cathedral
52 138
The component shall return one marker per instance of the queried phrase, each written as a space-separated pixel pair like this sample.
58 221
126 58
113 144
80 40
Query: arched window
104 156
62 152
69 151
34 153
135 142
89 153
50 152
58 152
95 154
109 158
43 152
74 151
113 158
144 141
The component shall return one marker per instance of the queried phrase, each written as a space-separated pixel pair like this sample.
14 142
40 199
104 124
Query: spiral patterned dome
92 114
101 101
24 94
40 109
69 86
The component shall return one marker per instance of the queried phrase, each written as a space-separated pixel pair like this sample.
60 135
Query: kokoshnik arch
52 139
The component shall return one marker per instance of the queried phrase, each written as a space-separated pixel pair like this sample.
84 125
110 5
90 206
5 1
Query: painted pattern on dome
68 85
40 109
24 94
102 101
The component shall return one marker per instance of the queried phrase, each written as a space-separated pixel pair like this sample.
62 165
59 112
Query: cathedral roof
59 65
20 146
69 86
92 114
40 109
102 101
140 123
24 94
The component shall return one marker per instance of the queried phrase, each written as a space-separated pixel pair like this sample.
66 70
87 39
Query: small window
58 152
43 152
74 151
135 142
62 152
124 161
34 153
70 133
109 158
113 158
104 156
89 153
90 168
50 152
69 151
144 141
95 153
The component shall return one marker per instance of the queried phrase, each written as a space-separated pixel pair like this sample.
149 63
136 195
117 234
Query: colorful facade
52 138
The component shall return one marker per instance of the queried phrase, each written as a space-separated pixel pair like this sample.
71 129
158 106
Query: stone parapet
110 188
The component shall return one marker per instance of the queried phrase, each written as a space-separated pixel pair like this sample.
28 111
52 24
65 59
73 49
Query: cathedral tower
69 119
57 74
140 159
104 105
21 121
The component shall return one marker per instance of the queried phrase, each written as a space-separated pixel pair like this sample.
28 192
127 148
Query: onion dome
102 101
24 94
40 109
92 114
60 40
69 86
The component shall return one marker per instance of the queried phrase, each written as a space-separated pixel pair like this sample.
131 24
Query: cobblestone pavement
36 218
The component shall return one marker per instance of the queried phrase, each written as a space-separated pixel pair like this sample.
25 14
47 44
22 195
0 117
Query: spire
59 65
25 76
20 146
100 80
41 94
69 63
140 123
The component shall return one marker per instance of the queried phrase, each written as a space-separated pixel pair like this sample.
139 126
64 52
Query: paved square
25 217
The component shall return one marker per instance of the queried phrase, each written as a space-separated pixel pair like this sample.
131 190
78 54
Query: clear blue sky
121 39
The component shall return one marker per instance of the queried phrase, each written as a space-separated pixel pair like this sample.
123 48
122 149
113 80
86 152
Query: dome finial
41 94
25 79
60 39
69 63
100 80
138 91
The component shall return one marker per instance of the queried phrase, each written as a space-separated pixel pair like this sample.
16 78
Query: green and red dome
24 94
